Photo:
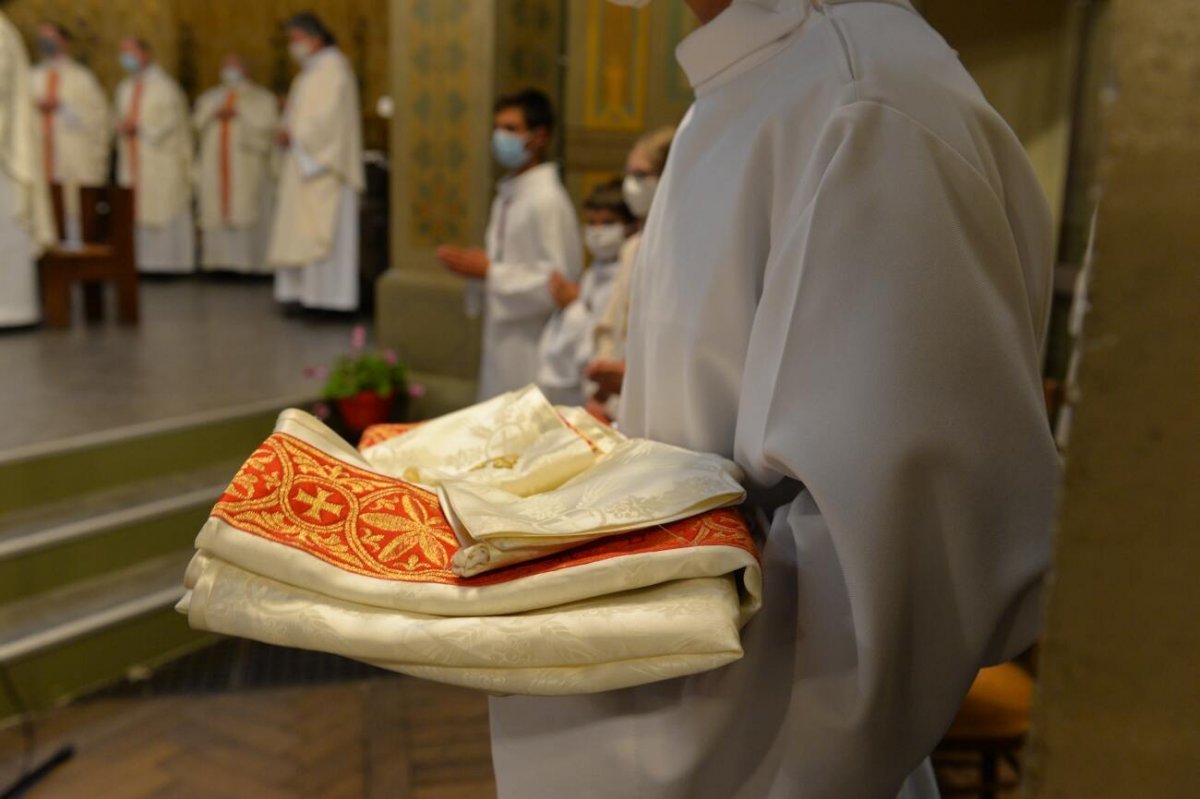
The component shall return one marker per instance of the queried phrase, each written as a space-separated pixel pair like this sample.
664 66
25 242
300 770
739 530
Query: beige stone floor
204 343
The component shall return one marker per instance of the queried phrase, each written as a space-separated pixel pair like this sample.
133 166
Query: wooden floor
387 737
377 738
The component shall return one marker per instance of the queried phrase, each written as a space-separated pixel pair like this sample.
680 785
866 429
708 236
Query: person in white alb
532 233
314 238
606 369
848 275
154 158
73 113
567 341
26 224
236 124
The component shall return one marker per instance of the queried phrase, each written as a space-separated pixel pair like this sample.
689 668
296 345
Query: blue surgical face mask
509 149
130 63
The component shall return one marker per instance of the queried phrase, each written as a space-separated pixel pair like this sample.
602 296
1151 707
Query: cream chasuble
533 232
843 286
314 237
234 176
314 546
26 224
77 134
157 163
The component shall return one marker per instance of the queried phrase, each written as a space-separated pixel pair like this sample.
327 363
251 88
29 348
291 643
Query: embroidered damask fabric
315 546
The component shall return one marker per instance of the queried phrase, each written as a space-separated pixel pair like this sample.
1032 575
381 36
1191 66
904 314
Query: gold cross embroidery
317 505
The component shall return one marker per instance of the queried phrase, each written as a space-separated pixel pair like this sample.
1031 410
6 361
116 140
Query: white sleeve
893 372
205 111
518 289
309 167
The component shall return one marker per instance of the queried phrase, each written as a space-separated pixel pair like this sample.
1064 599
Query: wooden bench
106 256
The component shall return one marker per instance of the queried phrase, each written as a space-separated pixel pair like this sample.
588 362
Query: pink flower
416 391
322 410
358 338
390 357
316 372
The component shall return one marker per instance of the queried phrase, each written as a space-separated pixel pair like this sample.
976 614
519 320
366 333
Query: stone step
59 643
45 474
52 545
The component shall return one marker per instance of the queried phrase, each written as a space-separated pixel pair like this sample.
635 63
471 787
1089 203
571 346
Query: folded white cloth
312 546
639 483
517 441
667 630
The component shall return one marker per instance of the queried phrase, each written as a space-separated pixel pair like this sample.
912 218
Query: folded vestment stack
511 547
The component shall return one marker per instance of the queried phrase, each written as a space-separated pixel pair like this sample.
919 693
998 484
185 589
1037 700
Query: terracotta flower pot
365 409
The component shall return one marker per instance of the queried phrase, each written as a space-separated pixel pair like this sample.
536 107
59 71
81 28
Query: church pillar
1118 697
441 74
449 61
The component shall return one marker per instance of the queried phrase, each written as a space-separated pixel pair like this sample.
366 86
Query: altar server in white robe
74 118
567 341
850 286
26 224
236 124
154 157
314 239
532 233
606 370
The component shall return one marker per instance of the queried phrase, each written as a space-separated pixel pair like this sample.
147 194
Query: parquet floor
390 737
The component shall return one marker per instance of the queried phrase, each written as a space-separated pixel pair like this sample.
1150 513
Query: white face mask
639 193
604 241
231 76
299 51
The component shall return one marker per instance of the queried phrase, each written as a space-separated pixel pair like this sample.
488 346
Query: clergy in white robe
236 124
26 225
73 114
314 238
532 233
154 157
851 272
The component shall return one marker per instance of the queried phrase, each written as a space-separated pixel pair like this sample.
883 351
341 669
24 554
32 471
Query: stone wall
1119 701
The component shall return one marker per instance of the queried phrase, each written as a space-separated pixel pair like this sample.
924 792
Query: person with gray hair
314 239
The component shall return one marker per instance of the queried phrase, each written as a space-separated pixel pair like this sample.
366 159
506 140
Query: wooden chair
990 729
107 256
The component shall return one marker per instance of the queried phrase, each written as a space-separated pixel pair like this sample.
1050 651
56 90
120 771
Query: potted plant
364 385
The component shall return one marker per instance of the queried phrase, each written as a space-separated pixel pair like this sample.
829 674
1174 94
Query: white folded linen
639 483
615 641
517 441
312 546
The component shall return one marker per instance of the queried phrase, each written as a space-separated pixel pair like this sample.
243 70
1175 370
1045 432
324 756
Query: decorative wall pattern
622 81
436 135
529 42
615 66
